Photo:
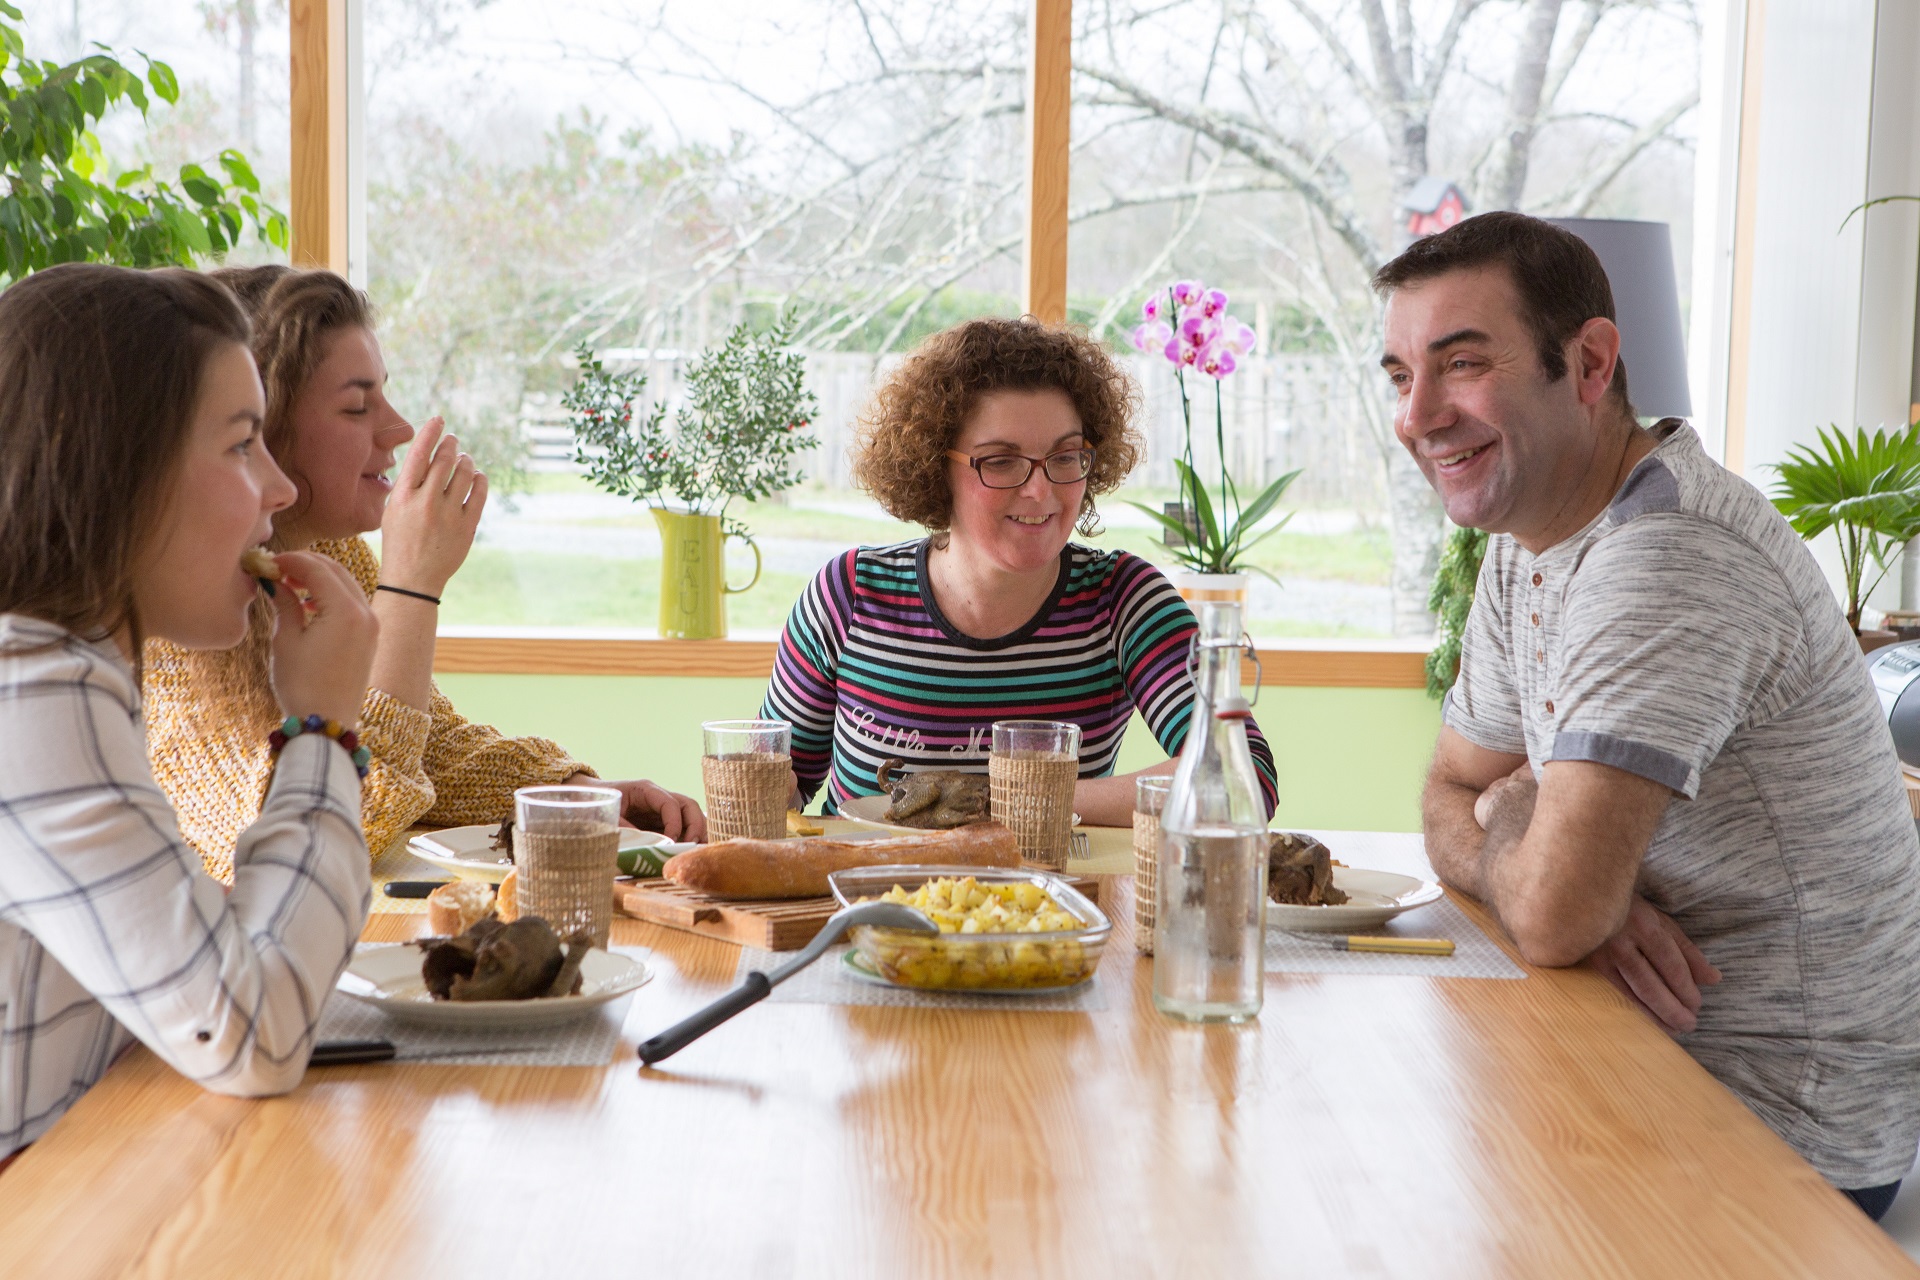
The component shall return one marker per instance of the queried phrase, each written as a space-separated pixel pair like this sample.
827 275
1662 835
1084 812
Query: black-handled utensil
347 1053
754 989
411 888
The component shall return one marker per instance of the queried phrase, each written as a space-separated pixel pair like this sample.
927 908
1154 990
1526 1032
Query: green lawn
528 589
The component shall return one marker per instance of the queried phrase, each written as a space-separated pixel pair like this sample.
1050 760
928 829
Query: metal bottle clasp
1245 645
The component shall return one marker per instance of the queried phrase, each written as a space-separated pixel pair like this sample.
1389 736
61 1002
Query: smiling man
1663 756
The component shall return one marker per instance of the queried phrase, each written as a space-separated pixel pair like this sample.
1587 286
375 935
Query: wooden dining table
1363 1125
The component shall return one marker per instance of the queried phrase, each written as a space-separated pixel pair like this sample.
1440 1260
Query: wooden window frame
320 230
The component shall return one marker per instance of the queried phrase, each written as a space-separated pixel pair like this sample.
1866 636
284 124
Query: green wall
1348 758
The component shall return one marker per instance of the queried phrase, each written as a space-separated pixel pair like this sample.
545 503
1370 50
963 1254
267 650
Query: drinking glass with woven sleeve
566 847
1030 775
1149 798
747 770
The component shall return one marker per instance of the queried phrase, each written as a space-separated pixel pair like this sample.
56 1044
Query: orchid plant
1189 325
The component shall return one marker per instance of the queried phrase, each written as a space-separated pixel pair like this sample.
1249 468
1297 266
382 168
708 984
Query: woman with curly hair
996 436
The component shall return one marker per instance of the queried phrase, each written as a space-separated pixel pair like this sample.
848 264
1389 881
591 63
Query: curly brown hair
899 453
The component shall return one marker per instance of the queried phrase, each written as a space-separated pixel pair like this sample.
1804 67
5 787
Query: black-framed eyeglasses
1011 470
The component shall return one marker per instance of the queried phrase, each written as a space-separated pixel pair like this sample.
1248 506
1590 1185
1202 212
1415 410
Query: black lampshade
1638 258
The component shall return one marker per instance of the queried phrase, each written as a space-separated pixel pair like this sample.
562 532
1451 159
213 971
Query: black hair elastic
402 591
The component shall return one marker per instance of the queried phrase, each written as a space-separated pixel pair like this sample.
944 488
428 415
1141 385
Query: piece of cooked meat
494 961
1300 871
934 799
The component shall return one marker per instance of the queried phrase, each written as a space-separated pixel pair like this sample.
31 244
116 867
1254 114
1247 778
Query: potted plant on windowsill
744 417
1867 490
1189 325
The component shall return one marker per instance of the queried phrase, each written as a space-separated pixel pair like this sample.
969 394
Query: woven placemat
589 1042
826 981
1475 955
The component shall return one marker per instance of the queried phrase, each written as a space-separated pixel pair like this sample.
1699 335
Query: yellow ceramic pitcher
693 575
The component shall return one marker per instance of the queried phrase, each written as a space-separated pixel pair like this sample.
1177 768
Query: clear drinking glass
746 769
1149 800
566 846
1210 908
1031 774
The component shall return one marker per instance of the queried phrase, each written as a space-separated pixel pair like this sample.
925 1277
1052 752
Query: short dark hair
1557 275
100 373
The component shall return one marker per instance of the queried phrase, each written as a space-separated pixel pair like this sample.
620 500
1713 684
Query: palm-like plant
1866 489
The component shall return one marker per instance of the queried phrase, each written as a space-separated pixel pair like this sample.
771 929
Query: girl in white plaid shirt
131 482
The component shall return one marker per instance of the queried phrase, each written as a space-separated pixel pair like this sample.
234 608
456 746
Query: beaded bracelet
293 726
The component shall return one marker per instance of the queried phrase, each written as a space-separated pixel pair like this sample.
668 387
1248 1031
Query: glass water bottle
1210 916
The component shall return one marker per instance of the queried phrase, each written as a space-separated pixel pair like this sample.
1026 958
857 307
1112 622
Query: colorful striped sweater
869 669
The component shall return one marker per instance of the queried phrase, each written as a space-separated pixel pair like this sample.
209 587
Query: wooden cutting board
785 925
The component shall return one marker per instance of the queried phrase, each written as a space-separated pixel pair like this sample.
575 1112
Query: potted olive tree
743 418
1866 488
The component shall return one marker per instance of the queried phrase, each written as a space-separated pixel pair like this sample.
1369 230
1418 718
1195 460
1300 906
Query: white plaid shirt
109 929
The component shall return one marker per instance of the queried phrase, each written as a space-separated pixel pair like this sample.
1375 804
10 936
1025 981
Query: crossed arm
1557 863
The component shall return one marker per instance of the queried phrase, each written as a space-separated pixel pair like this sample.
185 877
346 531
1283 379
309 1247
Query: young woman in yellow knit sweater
332 429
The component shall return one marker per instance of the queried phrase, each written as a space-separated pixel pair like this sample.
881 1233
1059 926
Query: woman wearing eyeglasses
996 436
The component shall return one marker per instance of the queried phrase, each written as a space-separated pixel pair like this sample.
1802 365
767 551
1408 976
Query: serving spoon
754 989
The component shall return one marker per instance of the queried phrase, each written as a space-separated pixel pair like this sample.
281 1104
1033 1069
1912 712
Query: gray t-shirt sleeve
1483 706
1672 638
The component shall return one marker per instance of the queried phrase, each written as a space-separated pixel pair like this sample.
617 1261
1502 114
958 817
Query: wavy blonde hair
899 451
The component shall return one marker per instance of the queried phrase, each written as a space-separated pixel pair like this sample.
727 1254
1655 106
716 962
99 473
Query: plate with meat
494 975
923 799
1309 891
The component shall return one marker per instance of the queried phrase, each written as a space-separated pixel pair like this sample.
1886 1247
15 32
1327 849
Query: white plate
856 965
388 978
871 811
468 852
1374 897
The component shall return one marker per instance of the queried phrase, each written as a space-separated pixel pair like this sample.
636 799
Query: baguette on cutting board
742 868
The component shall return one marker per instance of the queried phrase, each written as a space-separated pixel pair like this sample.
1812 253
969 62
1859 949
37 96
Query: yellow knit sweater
208 716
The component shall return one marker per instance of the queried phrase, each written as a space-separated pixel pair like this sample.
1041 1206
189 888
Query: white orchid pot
1200 588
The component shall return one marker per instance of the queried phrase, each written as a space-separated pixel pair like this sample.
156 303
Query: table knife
346 1053
1392 946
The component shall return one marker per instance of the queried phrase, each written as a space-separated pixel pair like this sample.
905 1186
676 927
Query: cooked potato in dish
957 959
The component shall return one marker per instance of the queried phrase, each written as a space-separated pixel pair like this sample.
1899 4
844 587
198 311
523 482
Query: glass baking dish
1047 961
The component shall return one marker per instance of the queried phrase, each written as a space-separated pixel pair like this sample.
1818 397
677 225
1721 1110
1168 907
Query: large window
548 173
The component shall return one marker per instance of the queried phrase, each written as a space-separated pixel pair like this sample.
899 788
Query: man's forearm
1454 838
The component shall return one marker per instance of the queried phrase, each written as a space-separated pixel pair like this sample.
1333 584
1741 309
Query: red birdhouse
1434 204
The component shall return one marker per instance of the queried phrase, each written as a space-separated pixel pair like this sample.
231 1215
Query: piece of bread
506 903
258 562
456 907
743 868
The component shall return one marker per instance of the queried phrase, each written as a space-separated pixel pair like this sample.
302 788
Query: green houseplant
60 201
743 419
1866 488
1451 599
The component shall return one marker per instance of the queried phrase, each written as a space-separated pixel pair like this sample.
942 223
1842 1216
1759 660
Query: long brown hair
295 315
100 372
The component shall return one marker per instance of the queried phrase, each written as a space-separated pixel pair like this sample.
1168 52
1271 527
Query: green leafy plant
744 417
1866 489
60 201
1451 599
1190 327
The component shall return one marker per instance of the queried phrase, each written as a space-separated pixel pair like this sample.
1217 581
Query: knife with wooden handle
1390 946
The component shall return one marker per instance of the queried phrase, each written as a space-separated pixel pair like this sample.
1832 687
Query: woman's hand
651 807
432 513
323 647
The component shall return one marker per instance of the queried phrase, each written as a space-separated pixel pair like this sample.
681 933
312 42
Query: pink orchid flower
1151 307
1198 331
1213 302
1179 353
1187 292
1151 336
1217 361
1239 338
